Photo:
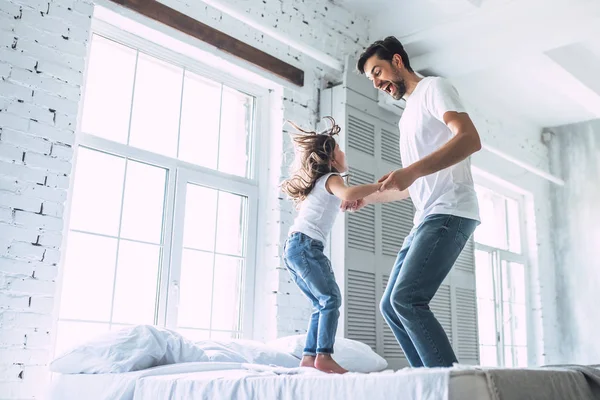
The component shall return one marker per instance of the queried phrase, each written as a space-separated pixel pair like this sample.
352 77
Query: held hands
353 206
399 179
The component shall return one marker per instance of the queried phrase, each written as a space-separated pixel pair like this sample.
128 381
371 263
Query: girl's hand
352 206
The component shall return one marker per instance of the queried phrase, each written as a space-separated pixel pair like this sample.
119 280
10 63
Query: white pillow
129 349
249 351
350 354
217 352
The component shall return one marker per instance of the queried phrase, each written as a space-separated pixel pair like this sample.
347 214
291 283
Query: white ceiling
535 59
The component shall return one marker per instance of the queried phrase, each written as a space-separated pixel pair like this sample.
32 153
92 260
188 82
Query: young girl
318 190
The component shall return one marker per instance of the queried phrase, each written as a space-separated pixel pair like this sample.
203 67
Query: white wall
43 46
575 151
42 57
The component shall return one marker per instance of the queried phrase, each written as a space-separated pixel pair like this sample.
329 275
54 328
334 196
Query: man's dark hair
385 50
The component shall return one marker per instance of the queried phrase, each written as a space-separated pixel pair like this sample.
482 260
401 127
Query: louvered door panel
466 318
441 306
361 225
361 135
361 307
390 146
396 224
360 177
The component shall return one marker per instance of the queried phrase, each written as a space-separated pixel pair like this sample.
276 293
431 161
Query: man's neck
411 84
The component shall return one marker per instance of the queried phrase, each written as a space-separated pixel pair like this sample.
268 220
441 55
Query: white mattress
243 381
119 386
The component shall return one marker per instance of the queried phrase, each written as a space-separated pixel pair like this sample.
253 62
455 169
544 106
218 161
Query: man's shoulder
438 83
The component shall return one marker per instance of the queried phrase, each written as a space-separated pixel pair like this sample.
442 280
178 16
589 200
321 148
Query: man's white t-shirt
422 131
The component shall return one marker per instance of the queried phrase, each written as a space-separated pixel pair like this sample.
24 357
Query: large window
163 215
501 280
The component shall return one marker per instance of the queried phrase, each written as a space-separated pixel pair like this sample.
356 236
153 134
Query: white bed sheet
261 382
246 381
120 386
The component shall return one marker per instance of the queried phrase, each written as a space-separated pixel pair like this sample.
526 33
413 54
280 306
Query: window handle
175 291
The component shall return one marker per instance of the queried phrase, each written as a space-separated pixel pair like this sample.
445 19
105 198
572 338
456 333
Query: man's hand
353 206
399 179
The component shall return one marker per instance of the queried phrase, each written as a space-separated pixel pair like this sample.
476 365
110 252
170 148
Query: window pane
195 296
118 327
70 334
200 218
515 356
486 317
514 225
88 277
230 223
137 281
143 202
515 324
492 230
97 192
227 291
195 335
489 356
156 104
513 282
108 90
484 275
199 132
236 125
520 356
220 335
508 357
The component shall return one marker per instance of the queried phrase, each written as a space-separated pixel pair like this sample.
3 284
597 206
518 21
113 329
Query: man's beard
400 91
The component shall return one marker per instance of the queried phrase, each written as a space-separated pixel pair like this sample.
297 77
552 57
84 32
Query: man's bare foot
325 363
308 361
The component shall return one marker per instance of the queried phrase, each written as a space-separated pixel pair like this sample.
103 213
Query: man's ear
397 61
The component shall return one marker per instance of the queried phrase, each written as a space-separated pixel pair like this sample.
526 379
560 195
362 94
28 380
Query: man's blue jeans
425 259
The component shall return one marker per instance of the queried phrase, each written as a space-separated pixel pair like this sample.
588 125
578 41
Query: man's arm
386 197
375 198
465 142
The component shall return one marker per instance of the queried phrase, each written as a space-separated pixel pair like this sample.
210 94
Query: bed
195 381
200 381
147 362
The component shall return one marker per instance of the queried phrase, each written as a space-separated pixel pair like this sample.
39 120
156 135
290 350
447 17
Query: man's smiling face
386 75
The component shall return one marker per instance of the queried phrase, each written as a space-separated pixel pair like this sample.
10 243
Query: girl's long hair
314 157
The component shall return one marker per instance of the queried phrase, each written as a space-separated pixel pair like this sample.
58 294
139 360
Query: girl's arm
386 196
336 186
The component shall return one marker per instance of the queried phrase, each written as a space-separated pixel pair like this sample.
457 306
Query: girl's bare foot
325 363
308 361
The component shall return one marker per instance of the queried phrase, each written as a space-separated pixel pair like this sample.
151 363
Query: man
436 139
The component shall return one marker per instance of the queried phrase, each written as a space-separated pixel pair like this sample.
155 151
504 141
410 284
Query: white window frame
500 255
250 191
180 172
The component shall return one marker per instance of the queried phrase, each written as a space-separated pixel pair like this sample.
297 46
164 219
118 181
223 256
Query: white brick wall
320 24
42 55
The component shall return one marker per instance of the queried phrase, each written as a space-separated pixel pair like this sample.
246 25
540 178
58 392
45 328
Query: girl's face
339 159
